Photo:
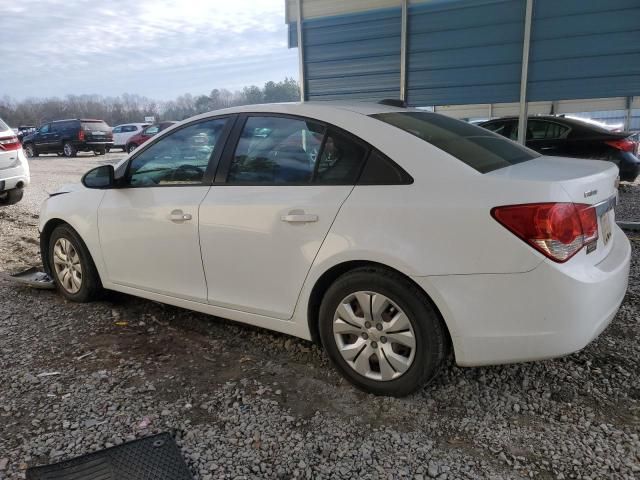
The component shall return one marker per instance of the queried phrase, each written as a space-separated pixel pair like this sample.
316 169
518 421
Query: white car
393 236
122 133
14 167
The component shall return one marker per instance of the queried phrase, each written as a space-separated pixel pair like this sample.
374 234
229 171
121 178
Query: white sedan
14 167
392 236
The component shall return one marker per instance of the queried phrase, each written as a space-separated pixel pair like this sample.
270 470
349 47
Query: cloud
157 48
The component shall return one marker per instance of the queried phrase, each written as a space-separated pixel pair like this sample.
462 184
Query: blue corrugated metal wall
584 49
470 51
353 56
460 51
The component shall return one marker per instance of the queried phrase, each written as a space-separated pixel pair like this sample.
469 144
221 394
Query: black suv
68 137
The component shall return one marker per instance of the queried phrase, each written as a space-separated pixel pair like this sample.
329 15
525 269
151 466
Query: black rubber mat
151 458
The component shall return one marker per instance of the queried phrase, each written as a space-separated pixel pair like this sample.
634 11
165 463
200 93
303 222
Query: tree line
133 108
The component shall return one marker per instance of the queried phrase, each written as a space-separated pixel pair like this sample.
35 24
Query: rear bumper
547 312
11 178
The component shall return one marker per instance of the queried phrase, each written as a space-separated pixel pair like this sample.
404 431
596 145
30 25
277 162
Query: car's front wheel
131 147
72 266
381 332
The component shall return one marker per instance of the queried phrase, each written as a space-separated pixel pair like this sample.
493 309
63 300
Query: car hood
68 188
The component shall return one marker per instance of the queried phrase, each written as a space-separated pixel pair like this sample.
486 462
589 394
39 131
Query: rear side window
95 127
541 130
477 147
381 170
274 150
340 161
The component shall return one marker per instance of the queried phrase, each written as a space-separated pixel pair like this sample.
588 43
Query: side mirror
99 177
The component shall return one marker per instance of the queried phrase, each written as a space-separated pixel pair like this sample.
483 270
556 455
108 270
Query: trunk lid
591 182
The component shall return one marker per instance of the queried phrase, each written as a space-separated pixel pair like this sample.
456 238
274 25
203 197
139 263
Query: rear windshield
96 127
477 147
3 126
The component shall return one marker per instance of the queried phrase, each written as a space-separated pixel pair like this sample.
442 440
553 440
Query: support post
522 122
301 75
403 51
627 117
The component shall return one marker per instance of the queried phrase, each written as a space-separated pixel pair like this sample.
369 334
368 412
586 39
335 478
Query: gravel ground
248 403
629 207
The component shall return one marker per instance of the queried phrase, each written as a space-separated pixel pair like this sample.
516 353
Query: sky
156 48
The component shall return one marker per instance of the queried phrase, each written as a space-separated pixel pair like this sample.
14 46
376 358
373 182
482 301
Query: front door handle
295 217
178 216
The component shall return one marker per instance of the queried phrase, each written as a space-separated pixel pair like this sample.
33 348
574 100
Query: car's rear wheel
72 266
69 150
11 197
30 150
381 332
131 147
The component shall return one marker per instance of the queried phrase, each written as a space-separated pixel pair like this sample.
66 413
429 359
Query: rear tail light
623 144
81 135
557 230
9 143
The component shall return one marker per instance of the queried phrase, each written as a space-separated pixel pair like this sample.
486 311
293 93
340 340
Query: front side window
44 129
117 129
180 158
475 146
276 150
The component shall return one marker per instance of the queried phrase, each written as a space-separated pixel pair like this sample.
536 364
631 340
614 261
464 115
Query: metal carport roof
463 55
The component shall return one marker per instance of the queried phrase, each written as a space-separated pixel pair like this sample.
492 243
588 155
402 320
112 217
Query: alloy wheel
67 150
67 265
29 150
374 336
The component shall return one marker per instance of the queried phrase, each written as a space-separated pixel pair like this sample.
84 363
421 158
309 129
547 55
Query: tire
100 151
11 197
69 150
89 286
30 150
107 150
131 147
406 368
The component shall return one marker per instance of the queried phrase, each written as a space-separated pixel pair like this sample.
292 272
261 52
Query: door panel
144 248
255 260
149 229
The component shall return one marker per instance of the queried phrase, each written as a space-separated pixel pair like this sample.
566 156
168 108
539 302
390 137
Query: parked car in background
68 137
24 130
122 133
14 168
573 137
391 235
139 138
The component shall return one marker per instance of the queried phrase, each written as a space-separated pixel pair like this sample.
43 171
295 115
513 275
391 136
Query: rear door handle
299 218
178 216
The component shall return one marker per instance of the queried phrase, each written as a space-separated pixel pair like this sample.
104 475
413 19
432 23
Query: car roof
575 123
311 107
77 120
